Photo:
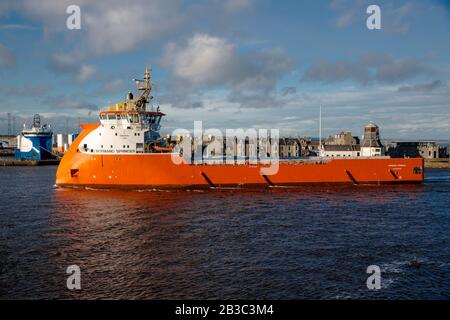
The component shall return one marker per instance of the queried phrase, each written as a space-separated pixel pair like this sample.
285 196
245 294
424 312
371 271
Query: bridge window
111 117
133 118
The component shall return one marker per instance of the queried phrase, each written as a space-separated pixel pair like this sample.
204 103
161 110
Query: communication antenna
320 130
14 125
9 123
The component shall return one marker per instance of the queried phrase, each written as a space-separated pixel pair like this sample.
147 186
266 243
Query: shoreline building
342 150
415 149
342 139
289 148
296 148
344 144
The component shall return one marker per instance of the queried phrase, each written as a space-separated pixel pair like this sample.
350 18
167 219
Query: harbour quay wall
12 162
441 163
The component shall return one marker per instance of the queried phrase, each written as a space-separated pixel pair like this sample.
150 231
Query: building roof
371 125
419 141
348 147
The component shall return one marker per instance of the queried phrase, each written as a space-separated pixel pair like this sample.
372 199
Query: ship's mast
320 130
148 85
145 96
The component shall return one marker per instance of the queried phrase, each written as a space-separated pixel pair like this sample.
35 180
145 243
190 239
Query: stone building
314 145
297 147
289 148
343 144
414 149
341 150
305 148
342 139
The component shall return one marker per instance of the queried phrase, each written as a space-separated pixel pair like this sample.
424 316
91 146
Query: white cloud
208 61
63 63
204 59
86 72
112 86
399 114
16 27
68 64
371 67
111 26
118 26
69 102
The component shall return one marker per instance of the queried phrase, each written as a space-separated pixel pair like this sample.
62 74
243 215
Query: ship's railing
34 130
120 106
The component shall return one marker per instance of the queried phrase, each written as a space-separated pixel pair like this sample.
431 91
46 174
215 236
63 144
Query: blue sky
233 63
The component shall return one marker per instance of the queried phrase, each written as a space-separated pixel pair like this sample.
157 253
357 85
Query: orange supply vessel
125 150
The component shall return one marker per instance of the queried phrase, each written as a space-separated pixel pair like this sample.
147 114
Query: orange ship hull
158 171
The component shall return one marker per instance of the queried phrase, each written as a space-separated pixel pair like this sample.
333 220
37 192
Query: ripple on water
282 243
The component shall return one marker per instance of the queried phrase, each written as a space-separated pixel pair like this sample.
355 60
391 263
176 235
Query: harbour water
228 244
